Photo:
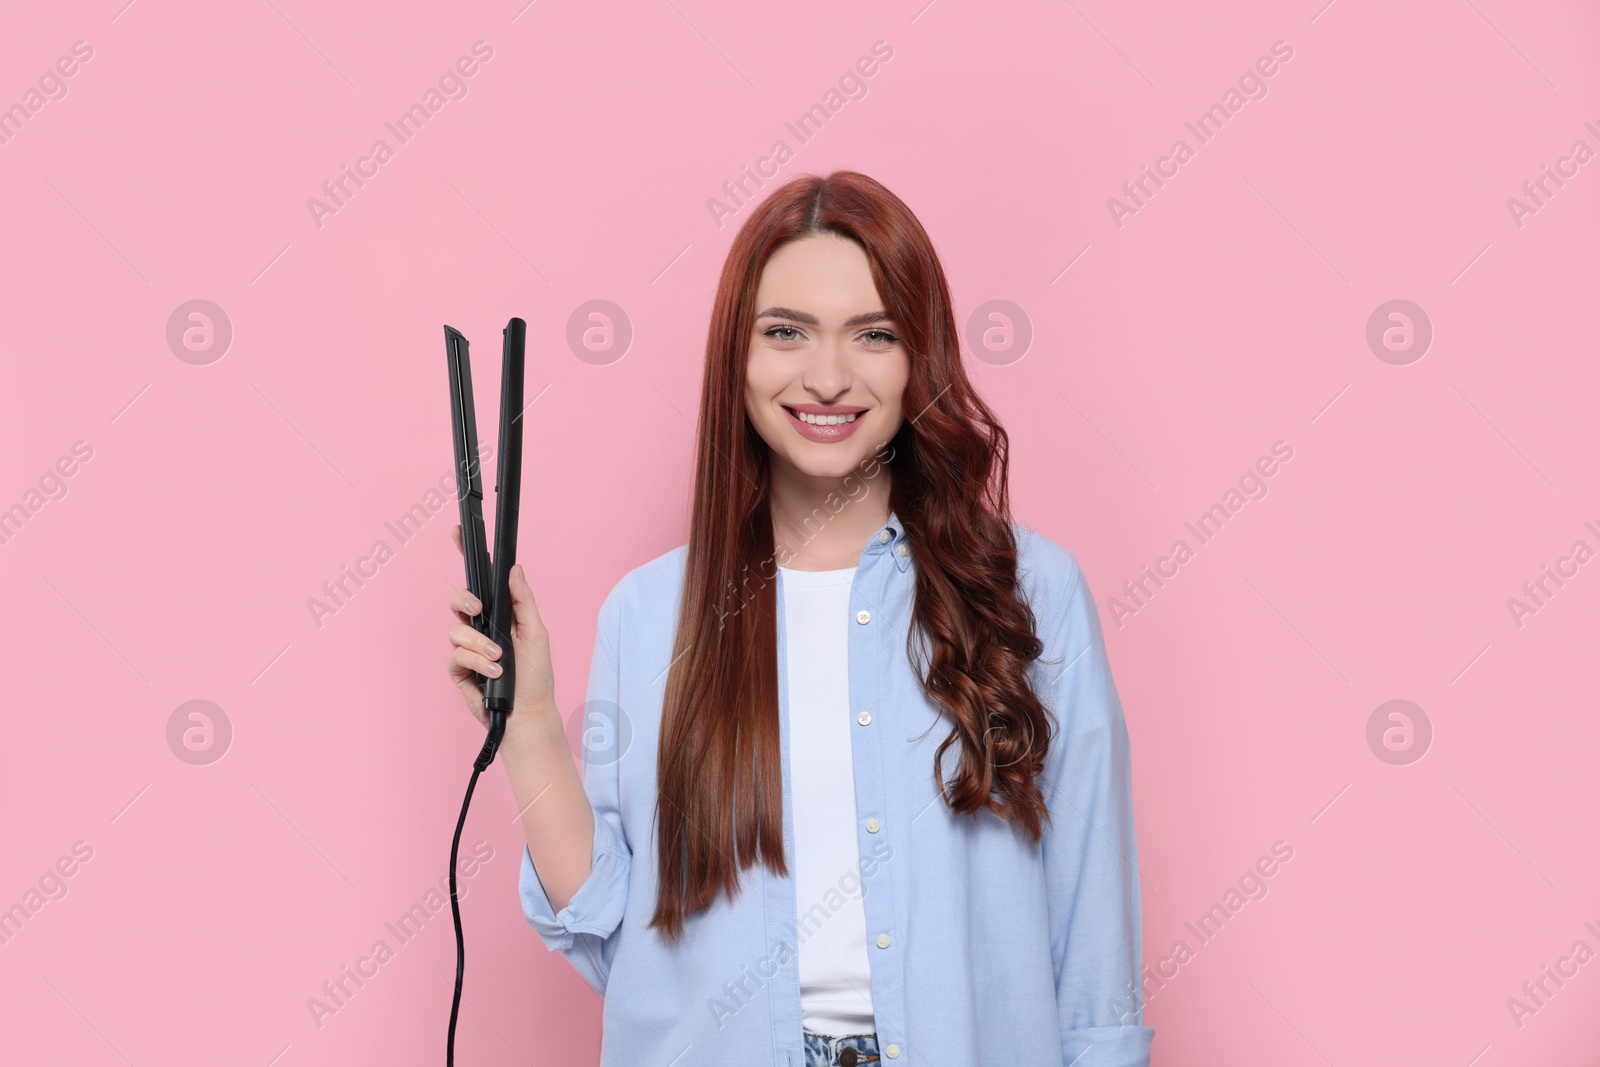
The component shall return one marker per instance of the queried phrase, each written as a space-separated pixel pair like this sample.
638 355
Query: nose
828 373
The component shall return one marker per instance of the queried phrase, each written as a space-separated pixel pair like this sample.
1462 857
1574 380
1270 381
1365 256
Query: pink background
1168 354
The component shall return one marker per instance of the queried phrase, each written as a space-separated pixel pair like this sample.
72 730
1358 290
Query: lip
824 434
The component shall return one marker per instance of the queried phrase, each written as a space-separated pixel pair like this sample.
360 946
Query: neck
822 523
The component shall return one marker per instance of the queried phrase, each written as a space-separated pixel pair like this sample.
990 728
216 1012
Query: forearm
557 819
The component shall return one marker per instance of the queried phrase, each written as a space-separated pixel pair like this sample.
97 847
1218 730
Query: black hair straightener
496 617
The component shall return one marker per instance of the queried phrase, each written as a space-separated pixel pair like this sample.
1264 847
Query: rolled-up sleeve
585 931
1090 859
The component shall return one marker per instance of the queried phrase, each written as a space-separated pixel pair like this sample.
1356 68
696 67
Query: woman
857 782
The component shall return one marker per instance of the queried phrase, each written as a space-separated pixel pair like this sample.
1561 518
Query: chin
833 467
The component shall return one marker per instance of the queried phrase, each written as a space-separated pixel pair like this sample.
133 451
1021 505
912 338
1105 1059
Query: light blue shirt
986 948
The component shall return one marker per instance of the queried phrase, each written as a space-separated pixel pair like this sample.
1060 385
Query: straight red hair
719 768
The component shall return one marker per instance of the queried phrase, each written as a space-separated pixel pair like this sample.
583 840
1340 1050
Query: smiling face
827 369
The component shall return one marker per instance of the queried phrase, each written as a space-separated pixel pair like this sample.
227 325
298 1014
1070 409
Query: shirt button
873 825
883 940
864 718
892 1051
883 537
904 550
863 616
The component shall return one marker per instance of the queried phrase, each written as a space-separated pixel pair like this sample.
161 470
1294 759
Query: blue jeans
824 1050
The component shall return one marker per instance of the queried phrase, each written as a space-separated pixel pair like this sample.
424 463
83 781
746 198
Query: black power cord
491 744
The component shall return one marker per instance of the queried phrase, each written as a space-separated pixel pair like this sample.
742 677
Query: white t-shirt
835 974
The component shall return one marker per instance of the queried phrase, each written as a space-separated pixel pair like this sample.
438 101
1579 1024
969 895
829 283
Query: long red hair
948 464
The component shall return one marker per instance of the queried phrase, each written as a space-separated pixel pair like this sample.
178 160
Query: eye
775 329
887 337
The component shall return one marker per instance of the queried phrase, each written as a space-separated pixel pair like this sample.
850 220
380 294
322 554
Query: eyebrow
811 320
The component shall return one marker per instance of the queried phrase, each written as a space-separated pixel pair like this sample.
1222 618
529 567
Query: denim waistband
847 1050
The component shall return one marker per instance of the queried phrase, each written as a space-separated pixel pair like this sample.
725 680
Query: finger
462 602
455 535
469 660
464 636
523 607
470 690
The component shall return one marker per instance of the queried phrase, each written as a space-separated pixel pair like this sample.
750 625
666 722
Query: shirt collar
891 538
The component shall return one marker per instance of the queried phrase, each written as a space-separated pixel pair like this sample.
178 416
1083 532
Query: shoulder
1074 667
1047 571
649 592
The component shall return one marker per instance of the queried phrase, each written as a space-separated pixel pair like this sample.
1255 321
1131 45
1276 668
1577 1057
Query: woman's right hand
557 818
472 651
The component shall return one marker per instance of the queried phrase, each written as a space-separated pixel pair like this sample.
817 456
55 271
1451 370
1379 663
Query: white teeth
825 420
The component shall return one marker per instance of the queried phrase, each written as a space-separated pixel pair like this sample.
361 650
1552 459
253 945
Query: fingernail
494 668
494 649
473 607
